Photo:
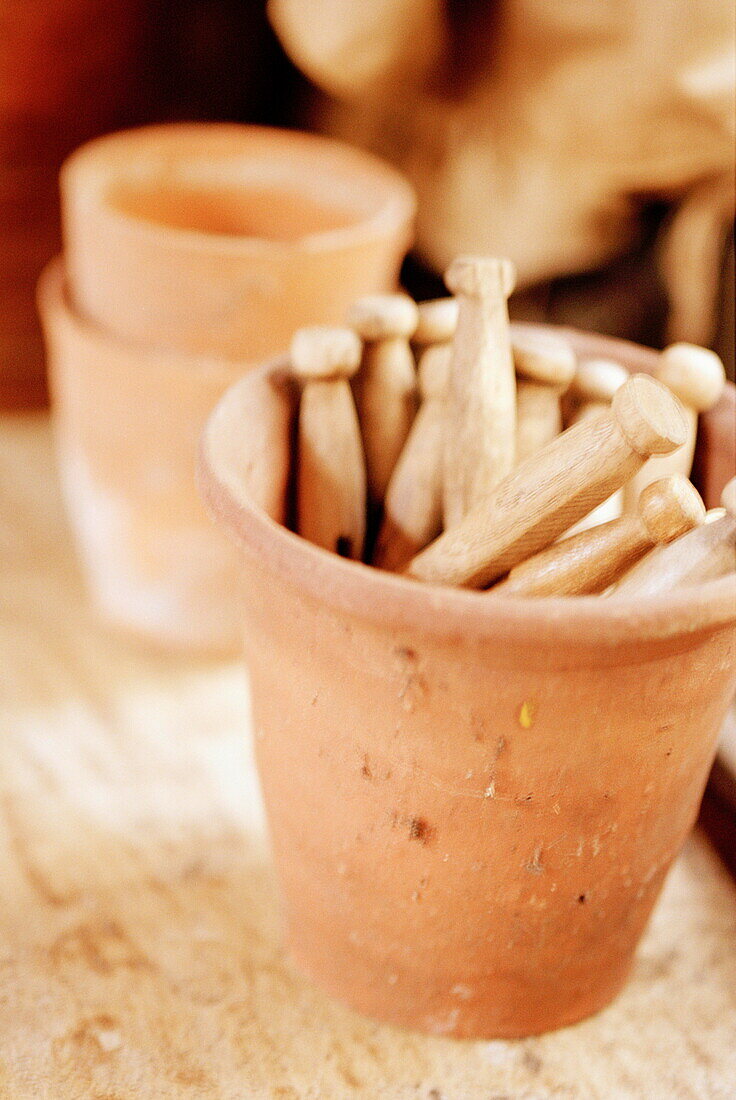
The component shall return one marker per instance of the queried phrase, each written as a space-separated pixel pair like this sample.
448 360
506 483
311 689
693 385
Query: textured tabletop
139 933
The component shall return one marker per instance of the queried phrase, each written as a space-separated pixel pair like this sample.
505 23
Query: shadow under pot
473 800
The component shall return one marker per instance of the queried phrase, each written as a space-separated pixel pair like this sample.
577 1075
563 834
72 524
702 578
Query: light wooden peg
591 391
697 377
480 445
437 322
700 555
544 357
555 487
413 505
545 366
596 382
331 482
386 388
587 563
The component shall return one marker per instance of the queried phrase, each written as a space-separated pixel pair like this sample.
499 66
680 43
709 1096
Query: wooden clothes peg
386 388
701 555
480 446
592 391
555 487
331 481
587 563
437 322
697 377
545 366
413 505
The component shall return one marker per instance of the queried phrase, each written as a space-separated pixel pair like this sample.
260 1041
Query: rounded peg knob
384 316
649 416
322 352
542 357
437 321
597 380
670 507
695 375
728 497
478 276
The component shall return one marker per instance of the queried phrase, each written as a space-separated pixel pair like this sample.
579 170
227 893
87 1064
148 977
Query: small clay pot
127 422
223 239
715 453
473 801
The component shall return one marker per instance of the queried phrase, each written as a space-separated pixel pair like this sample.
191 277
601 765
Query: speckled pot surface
473 801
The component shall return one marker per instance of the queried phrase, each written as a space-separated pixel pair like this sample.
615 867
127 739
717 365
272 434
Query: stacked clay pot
190 252
473 801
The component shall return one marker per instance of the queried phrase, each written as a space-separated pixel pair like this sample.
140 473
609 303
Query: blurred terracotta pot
127 423
473 801
715 454
223 239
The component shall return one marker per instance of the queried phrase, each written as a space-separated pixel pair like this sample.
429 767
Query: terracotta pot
473 801
223 239
127 422
715 454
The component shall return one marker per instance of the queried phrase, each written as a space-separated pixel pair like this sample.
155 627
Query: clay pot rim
398 205
54 301
404 603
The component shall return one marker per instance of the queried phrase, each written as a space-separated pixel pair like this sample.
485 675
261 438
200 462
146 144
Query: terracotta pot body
473 801
238 234
127 424
715 452
66 68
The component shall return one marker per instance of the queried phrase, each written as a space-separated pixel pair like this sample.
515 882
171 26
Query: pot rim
397 205
404 603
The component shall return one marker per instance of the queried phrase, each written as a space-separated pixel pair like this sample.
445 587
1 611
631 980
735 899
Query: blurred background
591 142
